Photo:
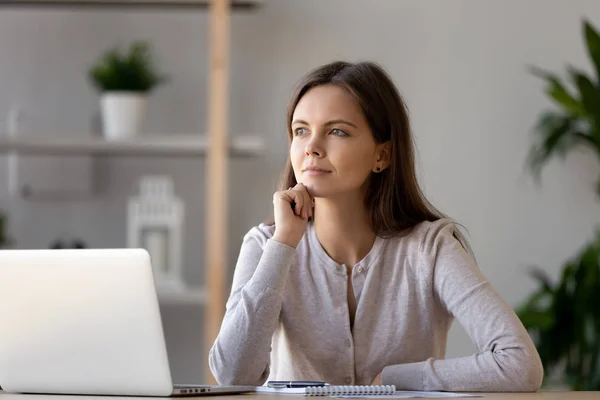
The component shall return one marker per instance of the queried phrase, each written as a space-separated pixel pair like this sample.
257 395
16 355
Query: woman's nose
314 147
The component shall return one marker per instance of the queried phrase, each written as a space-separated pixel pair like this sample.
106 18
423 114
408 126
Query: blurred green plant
131 71
577 120
564 318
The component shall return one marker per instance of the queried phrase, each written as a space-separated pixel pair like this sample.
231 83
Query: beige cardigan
287 317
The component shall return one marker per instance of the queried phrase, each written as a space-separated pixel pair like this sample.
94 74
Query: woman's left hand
377 380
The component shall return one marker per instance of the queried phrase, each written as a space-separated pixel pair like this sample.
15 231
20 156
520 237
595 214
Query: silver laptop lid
81 321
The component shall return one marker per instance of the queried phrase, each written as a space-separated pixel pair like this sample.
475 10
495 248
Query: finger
298 199
306 204
299 202
308 201
306 210
286 196
281 196
300 187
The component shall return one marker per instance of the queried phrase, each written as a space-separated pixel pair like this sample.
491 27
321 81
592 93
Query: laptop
85 321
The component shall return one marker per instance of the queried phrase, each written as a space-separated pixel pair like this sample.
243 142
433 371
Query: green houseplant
564 317
124 80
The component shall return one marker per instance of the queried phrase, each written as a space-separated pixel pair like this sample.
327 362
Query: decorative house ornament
154 220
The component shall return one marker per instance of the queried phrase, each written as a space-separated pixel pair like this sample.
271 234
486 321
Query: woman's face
333 151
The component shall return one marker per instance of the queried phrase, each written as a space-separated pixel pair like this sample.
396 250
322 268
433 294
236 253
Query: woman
359 278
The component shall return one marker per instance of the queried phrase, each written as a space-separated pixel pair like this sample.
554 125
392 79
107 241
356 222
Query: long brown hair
394 198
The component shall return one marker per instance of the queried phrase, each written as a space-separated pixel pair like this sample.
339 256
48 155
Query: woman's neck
343 229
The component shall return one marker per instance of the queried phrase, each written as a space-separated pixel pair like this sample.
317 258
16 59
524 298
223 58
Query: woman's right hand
292 208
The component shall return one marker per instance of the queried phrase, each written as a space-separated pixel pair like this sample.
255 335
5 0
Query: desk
486 396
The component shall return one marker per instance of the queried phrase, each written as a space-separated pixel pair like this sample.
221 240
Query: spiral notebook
333 390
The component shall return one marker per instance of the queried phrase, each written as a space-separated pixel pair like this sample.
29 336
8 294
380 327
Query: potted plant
564 317
125 81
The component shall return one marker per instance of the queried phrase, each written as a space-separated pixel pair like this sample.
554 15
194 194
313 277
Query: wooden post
217 174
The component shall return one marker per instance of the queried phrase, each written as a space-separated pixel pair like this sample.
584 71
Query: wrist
285 239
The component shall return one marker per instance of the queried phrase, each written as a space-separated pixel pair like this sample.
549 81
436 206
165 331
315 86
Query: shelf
185 296
128 4
166 146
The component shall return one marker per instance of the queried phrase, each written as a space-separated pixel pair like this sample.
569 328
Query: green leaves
557 91
592 40
564 318
556 137
133 71
576 122
589 95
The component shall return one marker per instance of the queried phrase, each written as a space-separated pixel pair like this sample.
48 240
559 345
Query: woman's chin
315 189
310 187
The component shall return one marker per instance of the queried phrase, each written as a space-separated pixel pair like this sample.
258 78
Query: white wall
460 64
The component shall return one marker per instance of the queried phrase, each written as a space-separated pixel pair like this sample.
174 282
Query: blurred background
462 66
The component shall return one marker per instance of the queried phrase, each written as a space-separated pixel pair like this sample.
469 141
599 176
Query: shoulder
435 233
434 251
431 237
423 242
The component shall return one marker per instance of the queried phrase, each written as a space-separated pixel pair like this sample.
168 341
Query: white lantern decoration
154 222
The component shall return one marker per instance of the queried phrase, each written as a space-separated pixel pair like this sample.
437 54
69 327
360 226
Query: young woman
359 278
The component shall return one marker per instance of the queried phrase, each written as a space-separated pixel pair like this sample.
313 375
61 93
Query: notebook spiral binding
339 390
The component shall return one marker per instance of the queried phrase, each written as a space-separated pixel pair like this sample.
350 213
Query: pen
294 384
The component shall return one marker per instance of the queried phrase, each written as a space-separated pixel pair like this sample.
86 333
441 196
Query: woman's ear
382 161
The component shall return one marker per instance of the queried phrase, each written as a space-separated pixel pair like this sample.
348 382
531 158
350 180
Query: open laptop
85 321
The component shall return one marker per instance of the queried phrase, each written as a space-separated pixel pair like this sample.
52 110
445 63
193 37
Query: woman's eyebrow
340 121
332 122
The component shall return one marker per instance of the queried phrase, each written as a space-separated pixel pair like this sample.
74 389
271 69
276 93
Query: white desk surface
490 396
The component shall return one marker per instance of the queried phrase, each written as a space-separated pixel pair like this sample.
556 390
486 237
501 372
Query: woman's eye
339 132
300 131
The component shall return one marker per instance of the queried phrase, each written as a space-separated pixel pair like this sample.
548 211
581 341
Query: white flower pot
122 114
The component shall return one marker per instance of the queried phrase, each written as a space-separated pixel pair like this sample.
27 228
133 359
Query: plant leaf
585 137
592 40
567 331
554 131
590 96
536 302
532 319
131 71
542 277
557 91
593 382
